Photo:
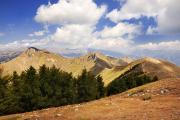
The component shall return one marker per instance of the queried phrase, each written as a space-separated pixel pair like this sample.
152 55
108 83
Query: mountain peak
152 60
33 49
94 55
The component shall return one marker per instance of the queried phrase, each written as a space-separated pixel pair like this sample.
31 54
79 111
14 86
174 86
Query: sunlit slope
108 67
150 66
95 62
34 57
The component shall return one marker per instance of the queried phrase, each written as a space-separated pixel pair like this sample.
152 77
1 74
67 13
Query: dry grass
158 106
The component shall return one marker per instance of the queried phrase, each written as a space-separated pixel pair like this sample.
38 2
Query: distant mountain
172 56
7 55
108 67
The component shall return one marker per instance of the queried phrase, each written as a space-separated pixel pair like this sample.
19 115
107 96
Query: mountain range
108 67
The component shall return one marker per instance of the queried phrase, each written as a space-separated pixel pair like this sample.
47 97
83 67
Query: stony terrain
155 101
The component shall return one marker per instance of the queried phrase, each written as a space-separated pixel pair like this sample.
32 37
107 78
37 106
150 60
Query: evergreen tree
48 87
45 87
68 89
116 86
4 95
101 89
30 90
155 78
3 88
128 81
15 93
86 87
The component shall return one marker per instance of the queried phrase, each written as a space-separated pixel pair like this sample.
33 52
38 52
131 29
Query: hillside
150 66
155 101
95 62
108 67
36 58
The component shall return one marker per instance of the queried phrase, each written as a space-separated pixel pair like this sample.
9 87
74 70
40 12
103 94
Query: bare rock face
31 51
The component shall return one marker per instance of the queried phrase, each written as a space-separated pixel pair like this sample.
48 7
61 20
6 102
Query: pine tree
117 86
68 88
30 89
101 89
155 78
3 88
15 95
86 87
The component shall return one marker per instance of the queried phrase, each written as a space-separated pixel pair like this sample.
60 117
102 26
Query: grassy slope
126 106
36 59
110 68
74 65
150 66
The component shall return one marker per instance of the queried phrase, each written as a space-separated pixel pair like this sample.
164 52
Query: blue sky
122 26
17 17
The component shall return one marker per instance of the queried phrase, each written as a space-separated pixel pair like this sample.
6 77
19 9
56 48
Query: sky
121 26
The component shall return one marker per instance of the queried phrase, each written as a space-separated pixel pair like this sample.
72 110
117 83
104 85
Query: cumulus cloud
168 45
25 43
112 44
168 19
84 36
70 12
151 30
120 30
76 22
136 9
75 35
163 11
39 33
77 27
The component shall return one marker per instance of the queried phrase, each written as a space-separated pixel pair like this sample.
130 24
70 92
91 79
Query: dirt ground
155 101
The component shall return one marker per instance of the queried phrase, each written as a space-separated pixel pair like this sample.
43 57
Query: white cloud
74 36
168 45
25 43
2 34
151 30
168 19
112 44
40 33
77 26
83 36
120 30
165 12
70 12
135 9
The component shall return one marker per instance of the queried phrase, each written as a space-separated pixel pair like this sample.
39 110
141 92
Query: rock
147 90
162 91
58 115
166 90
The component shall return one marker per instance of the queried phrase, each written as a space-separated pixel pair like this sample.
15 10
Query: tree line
51 87
48 87
128 81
